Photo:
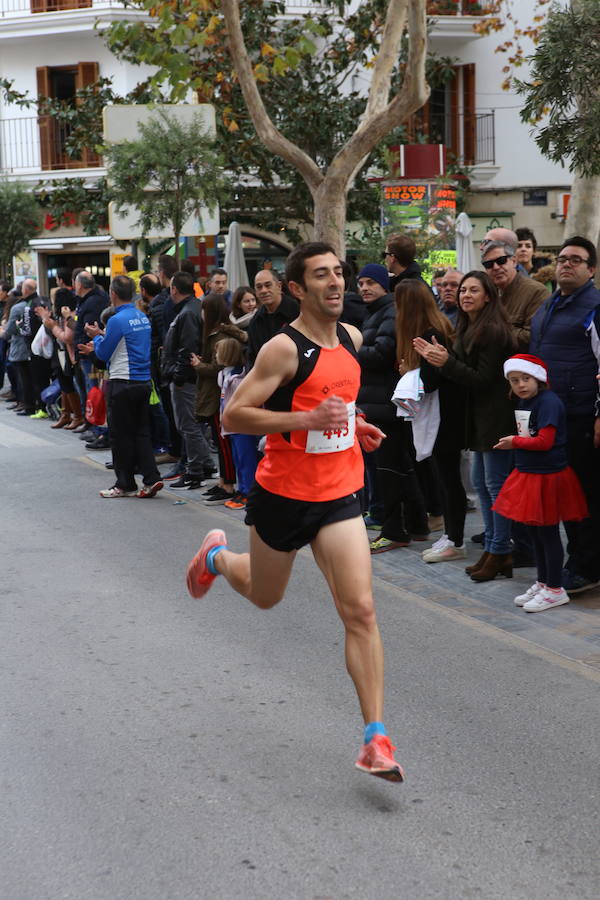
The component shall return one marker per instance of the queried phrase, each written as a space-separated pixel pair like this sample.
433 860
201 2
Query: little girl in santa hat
542 490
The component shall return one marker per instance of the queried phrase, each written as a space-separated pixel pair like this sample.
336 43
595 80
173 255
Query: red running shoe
199 579
377 758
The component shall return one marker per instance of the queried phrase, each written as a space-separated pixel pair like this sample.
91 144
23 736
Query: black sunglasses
499 261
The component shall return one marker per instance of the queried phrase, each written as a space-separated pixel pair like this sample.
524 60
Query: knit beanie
376 273
531 365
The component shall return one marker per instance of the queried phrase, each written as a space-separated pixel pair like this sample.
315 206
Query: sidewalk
572 630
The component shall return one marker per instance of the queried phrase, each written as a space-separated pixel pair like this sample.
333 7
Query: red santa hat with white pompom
531 365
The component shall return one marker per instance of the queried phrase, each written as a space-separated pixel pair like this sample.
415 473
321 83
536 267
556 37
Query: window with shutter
61 83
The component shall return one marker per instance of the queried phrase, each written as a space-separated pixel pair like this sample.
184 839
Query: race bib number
522 417
332 440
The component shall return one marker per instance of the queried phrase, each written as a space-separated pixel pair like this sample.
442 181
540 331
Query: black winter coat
265 325
489 412
88 313
377 358
183 337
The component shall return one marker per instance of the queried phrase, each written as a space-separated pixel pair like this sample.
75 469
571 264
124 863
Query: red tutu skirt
542 499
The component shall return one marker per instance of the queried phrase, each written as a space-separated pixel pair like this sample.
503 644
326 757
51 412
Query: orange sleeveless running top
287 468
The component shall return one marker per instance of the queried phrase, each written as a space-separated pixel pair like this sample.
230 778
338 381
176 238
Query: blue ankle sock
372 729
210 558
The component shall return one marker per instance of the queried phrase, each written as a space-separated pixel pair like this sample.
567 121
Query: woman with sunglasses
484 339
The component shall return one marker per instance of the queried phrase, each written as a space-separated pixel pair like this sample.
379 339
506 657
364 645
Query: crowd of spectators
146 368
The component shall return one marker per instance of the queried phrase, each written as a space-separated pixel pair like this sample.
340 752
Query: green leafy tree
285 89
562 102
20 217
168 174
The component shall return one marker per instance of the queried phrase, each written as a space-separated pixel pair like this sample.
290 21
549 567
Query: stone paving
572 630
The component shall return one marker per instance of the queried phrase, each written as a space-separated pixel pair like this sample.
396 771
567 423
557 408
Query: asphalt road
161 748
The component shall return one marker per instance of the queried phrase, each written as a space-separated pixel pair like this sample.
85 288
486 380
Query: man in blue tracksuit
125 346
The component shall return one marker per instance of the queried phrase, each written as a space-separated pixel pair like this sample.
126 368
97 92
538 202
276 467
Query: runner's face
323 289
524 386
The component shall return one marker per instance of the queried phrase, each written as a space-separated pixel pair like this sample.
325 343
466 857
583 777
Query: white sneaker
529 594
546 599
441 542
443 554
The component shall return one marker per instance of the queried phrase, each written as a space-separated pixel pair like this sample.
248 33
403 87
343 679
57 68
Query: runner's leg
341 551
261 575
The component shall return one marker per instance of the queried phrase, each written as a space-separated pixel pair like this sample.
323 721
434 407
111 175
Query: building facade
52 48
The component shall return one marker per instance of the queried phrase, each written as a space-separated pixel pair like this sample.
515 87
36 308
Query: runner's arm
276 364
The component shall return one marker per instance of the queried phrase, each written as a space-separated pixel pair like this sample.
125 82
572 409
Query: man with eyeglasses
520 296
565 333
399 260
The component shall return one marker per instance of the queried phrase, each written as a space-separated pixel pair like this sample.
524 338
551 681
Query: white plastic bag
42 344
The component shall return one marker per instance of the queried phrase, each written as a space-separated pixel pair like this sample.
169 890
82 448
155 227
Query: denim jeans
491 468
197 452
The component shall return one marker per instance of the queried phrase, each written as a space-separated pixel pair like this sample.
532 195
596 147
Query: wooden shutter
470 121
45 122
454 145
87 74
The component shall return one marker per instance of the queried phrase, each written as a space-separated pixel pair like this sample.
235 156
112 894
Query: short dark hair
585 244
130 263
526 234
65 275
183 282
167 264
123 287
186 265
295 263
403 248
151 285
4 286
218 272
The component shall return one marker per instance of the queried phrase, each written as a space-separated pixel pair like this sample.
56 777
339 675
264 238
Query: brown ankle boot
65 416
495 564
476 566
75 404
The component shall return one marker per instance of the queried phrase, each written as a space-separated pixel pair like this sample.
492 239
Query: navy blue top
544 409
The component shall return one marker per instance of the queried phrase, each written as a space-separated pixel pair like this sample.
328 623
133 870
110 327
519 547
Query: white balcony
32 148
30 18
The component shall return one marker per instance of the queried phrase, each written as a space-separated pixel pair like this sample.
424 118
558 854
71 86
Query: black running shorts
285 524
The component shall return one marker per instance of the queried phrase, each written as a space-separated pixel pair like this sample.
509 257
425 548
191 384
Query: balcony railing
457 8
19 8
485 139
38 144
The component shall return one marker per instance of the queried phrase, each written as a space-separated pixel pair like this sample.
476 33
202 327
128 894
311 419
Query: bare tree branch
411 96
387 58
267 132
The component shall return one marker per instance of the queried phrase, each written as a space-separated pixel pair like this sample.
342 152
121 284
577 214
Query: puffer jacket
377 358
561 336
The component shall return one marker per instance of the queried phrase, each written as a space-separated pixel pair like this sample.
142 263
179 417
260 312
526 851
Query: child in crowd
230 355
542 490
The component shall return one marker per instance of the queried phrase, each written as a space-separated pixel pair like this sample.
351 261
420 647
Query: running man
301 394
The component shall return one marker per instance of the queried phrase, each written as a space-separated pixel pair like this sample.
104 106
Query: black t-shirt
532 415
